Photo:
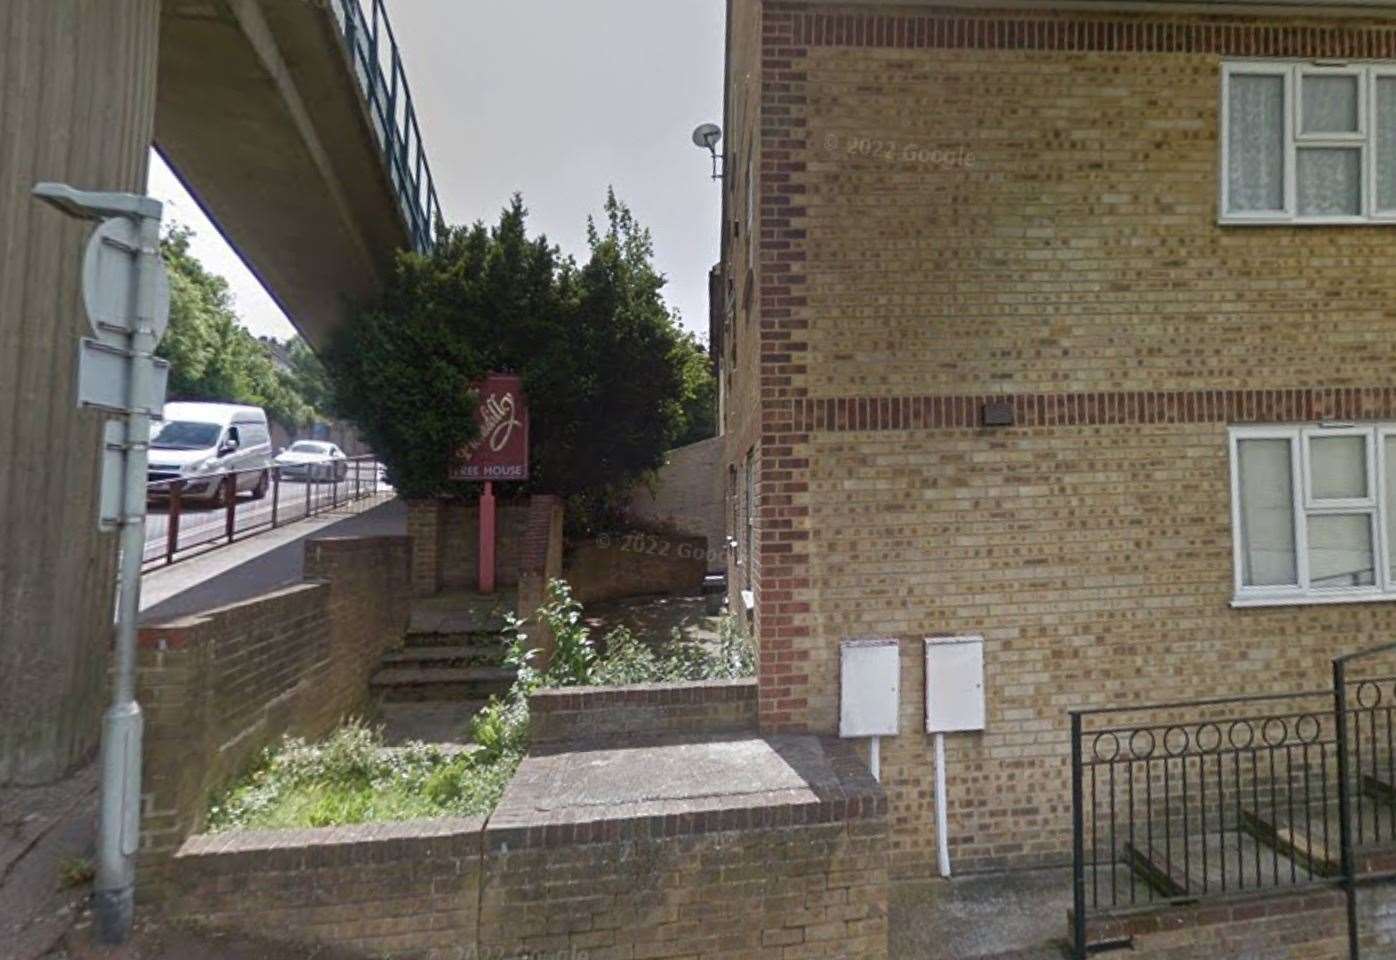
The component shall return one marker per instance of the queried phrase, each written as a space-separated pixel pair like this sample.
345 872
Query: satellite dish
707 136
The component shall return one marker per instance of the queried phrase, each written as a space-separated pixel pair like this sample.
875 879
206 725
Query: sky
556 99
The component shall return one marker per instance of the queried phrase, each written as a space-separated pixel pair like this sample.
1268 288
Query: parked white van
200 442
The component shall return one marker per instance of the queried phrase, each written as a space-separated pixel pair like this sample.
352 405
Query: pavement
261 563
1015 915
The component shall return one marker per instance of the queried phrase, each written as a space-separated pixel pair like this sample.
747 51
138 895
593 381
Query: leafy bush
350 777
613 381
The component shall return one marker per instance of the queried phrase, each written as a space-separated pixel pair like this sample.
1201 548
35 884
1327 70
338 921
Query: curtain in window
1330 181
1255 148
1386 143
1329 104
1267 513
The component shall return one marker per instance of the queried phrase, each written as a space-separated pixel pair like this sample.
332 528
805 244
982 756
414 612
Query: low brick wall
737 846
1302 925
618 565
217 687
775 890
445 543
540 560
378 890
557 716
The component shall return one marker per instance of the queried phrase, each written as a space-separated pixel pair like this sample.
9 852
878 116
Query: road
201 523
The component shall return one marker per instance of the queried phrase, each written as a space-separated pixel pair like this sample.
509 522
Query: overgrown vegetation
213 357
352 778
627 659
612 379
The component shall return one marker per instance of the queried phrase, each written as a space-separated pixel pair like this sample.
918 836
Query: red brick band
844 414
1079 33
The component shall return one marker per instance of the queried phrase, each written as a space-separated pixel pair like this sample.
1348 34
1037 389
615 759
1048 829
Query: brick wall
695 709
687 495
445 543
782 875
540 560
1050 241
613 566
385 889
817 890
1309 925
222 685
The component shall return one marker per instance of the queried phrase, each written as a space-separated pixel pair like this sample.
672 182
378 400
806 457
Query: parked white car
201 443
312 460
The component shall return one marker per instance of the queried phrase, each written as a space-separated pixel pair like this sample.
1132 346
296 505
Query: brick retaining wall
220 686
379 889
649 860
583 713
1311 925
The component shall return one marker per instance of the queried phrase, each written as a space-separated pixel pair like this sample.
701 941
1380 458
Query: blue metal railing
377 63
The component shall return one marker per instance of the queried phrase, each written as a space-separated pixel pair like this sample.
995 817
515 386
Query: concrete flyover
291 124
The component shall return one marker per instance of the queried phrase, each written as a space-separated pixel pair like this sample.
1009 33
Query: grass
350 777
75 872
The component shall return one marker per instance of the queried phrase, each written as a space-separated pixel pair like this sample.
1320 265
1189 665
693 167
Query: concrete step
461 613
446 656
412 683
430 640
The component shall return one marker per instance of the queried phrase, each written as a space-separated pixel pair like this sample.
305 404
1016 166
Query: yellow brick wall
965 220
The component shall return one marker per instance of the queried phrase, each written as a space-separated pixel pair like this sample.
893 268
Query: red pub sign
501 450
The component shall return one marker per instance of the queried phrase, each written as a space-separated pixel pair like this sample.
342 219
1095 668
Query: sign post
500 452
126 293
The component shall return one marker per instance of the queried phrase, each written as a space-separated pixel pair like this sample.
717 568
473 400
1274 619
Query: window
1313 513
1304 143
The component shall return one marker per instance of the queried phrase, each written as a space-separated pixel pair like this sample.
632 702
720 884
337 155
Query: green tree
699 399
212 356
605 365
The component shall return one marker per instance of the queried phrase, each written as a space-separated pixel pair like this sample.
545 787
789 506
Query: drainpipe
942 817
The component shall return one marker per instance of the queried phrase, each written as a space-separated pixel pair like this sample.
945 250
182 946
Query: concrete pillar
77 101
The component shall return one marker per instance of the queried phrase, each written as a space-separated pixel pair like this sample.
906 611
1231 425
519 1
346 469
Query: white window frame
1305 506
1364 141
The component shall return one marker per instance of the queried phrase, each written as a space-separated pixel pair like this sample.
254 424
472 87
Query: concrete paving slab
612 781
1019 915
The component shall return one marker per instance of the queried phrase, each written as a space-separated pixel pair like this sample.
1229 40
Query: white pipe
875 758
942 818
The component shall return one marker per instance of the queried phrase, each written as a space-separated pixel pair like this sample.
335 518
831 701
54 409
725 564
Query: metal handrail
232 519
368 39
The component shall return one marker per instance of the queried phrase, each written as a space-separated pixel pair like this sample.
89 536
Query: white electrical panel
871 688
954 684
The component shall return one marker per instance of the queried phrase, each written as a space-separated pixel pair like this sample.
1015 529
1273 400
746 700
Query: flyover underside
260 115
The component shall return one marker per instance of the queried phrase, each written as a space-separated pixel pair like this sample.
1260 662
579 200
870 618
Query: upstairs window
1306 143
1313 513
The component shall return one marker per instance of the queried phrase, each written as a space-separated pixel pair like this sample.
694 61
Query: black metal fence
1183 802
188 516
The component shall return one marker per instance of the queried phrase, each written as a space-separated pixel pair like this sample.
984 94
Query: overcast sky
555 99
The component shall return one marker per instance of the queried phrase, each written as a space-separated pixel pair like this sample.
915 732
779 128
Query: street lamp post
126 293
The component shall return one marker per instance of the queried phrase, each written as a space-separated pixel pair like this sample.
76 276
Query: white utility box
954 684
871 688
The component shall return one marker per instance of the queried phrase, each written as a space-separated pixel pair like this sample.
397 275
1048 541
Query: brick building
1067 325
